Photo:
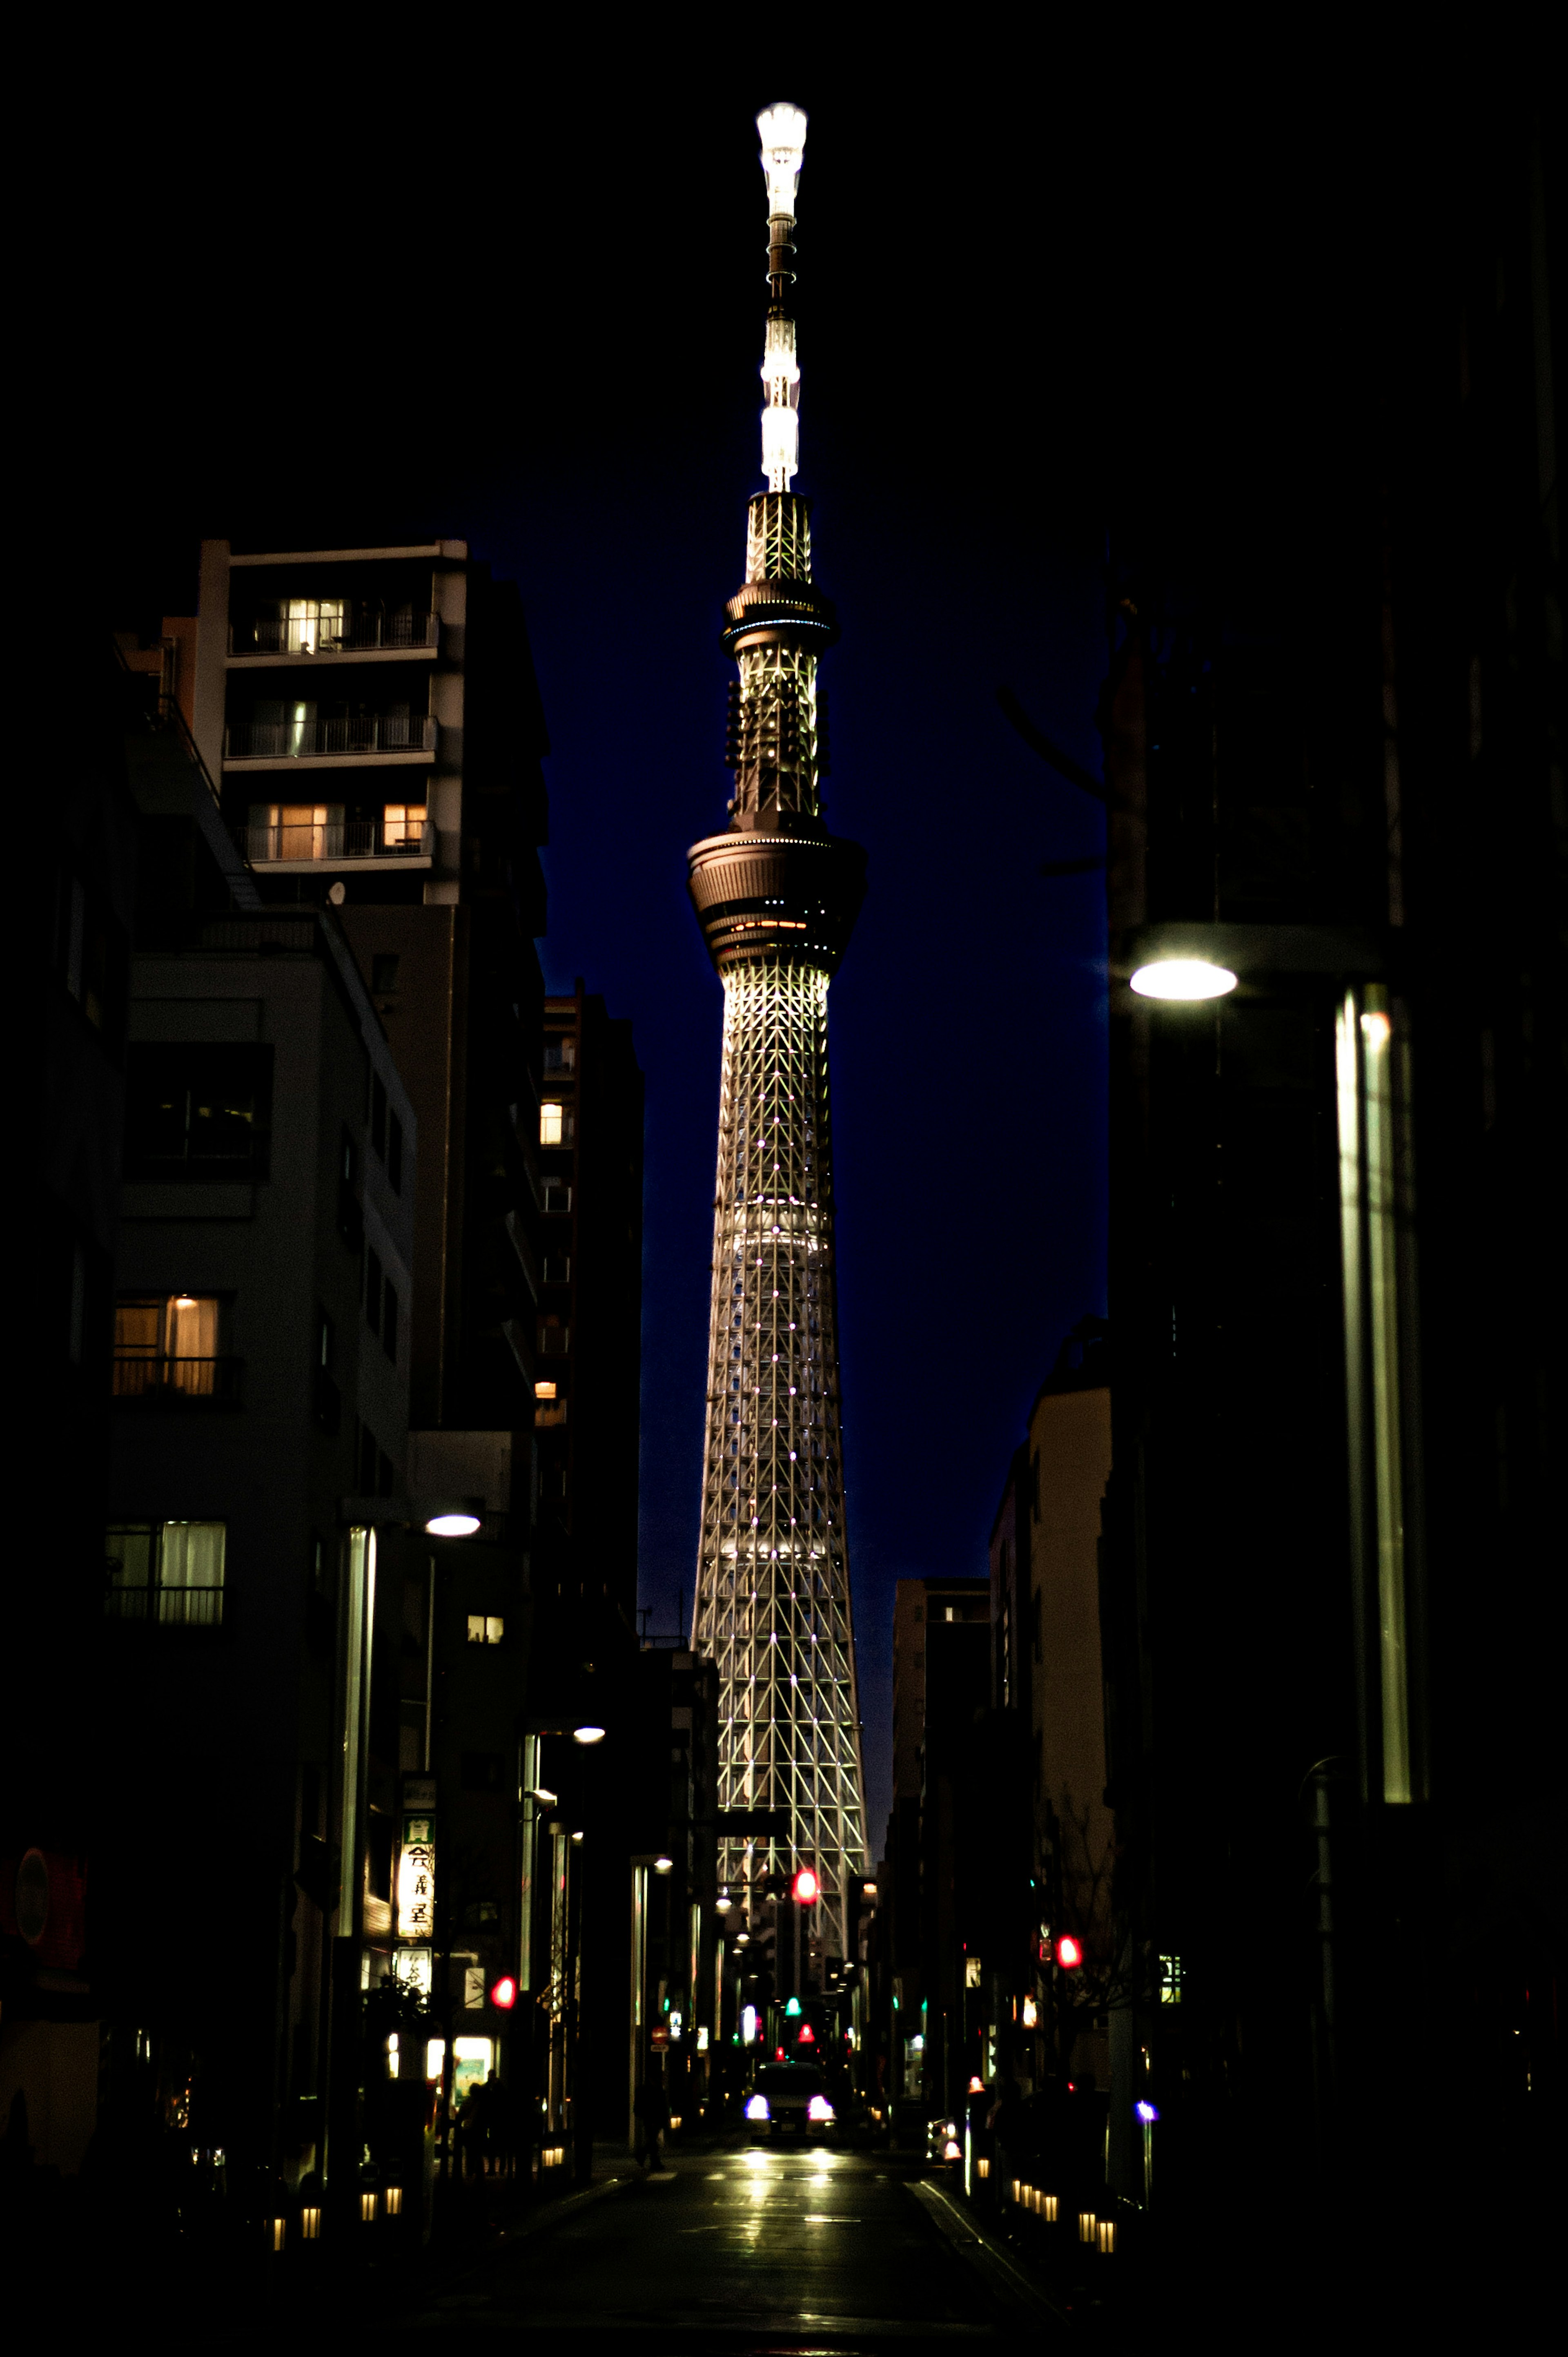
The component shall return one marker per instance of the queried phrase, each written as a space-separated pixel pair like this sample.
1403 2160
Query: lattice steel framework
773 1604
777 895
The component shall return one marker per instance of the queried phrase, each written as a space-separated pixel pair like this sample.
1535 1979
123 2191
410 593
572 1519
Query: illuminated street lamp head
587 1734
453 1526
1182 977
783 133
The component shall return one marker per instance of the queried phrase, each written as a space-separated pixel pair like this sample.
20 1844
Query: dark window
369 1452
386 1482
350 1219
394 1154
198 1112
482 1771
389 1320
379 1114
372 1288
90 955
384 973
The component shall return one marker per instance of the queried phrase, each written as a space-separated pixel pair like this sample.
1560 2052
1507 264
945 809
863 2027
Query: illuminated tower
776 896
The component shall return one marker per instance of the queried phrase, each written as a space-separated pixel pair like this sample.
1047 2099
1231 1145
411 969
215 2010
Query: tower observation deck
776 896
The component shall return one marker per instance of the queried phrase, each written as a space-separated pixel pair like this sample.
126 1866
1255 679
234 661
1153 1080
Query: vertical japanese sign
416 1865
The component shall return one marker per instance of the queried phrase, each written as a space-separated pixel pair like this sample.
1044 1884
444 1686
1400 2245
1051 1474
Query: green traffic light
792 2009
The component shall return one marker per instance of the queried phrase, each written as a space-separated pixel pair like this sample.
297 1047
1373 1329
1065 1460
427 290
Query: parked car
789 2098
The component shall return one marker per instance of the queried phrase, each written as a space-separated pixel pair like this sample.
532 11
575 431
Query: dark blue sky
1042 296
967 1023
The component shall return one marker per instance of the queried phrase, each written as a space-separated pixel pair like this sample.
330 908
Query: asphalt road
747 2250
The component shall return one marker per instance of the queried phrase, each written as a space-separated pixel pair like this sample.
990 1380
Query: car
944 2140
789 2098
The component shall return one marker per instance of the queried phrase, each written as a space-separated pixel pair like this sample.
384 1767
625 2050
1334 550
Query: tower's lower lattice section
773 1600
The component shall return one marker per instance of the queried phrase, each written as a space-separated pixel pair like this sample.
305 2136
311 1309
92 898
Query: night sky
1043 297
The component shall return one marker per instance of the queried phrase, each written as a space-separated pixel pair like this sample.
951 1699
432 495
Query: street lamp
1182 978
587 1734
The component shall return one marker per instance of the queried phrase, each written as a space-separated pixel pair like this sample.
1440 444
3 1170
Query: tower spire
783 135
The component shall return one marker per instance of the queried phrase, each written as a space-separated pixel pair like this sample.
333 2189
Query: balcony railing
292 740
336 840
363 635
177 1382
187 1607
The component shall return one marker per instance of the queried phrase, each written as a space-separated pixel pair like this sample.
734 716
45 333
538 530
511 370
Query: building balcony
150 1381
394 737
328 633
315 840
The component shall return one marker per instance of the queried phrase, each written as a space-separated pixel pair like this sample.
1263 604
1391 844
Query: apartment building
260 1383
373 720
587 1411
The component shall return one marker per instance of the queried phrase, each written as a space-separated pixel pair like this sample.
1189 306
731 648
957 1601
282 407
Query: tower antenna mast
783 134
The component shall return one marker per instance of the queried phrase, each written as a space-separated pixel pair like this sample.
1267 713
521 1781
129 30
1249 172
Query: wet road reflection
749 2249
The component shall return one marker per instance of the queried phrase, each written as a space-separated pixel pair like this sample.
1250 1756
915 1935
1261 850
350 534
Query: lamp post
337 2085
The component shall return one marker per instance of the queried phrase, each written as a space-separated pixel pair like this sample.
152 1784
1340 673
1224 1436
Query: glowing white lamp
782 130
452 1526
587 1734
780 446
1182 977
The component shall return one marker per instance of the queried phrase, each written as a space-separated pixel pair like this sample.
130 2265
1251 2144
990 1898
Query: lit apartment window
167 1572
403 825
314 625
294 830
551 1123
170 1342
544 1391
486 1628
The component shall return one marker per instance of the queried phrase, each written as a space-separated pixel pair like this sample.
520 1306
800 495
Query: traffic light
1069 1952
807 1888
503 1993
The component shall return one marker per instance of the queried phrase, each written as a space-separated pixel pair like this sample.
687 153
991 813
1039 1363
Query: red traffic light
805 2035
504 1993
1069 1952
807 1888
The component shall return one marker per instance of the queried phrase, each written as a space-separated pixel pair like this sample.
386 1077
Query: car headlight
819 2108
756 2108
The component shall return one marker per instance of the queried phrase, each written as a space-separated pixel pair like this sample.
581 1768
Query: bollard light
1087 2223
310 2225
1048 2202
983 2167
276 2230
368 2208
394 2201
1108 2235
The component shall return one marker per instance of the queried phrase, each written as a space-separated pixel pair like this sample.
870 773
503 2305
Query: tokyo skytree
776 896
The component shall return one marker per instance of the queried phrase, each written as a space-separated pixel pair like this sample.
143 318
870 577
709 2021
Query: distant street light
1183 978
587 1734
452 1526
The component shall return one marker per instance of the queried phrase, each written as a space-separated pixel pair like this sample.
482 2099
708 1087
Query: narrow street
754 2250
